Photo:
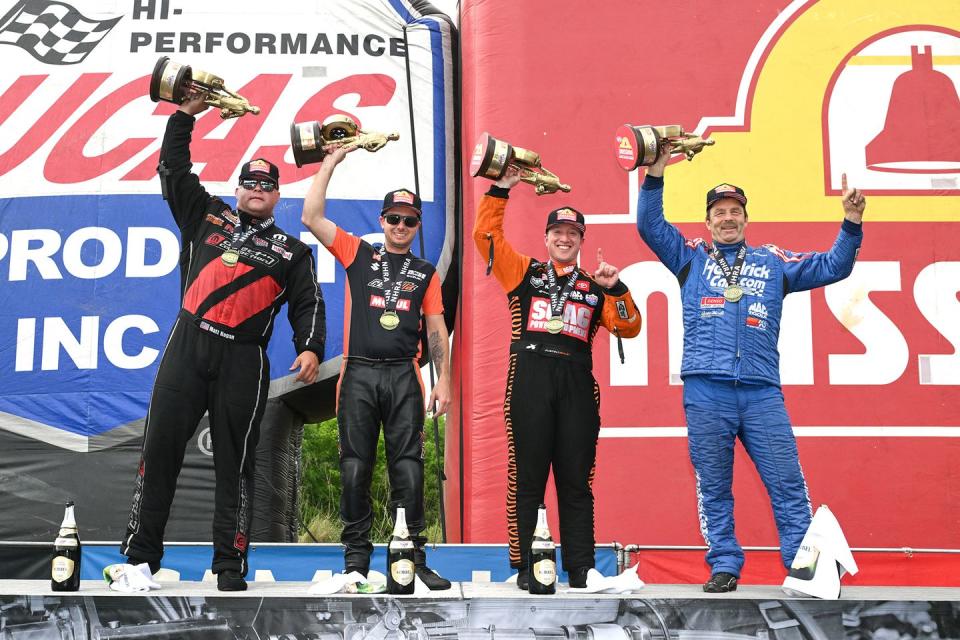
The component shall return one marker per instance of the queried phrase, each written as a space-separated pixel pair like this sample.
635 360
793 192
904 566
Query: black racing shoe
578 577
433 580
721 583
523 579
230 580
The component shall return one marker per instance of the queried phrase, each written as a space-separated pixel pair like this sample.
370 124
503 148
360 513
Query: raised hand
853 201
606 274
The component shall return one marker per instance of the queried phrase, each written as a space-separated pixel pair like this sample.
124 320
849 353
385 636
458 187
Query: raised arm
507 264
181 188
315 203
664 239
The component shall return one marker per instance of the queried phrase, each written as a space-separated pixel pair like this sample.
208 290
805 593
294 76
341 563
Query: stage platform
473 611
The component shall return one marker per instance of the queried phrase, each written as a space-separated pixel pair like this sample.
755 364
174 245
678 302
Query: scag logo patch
576 318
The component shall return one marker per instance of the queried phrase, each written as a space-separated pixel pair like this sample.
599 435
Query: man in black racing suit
236 269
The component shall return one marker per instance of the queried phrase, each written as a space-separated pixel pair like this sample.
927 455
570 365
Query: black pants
201 372
371 394
552 417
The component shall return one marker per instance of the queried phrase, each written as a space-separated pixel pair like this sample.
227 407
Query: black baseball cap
402 198
725 190
567 215
260 168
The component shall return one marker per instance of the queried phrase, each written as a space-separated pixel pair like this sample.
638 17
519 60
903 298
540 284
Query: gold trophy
308 139
642 145
491 157
173 82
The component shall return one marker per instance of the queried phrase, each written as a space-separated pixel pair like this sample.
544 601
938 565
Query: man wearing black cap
236 269
552 400
387 289
732 303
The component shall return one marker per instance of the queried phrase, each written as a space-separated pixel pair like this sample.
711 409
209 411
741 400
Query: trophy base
490 157
169 81
637 146
306 142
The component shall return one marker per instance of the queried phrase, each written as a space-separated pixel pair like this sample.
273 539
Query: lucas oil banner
794 94
88 248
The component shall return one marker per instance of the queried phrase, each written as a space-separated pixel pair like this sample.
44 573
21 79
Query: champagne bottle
65 567
400 569
543 557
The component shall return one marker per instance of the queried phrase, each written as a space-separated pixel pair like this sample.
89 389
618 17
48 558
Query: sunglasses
265 185
394 219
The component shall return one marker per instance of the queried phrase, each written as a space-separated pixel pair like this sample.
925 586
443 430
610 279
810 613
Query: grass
320 487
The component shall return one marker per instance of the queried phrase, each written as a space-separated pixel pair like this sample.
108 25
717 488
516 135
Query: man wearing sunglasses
237 268
387 290
551 407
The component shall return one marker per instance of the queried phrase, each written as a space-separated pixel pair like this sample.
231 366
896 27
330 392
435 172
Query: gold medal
733 293
230 257
389 320
555 324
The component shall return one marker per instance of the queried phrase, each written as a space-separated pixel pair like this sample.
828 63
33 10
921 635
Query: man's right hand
335 155
510 178
657 168
194 104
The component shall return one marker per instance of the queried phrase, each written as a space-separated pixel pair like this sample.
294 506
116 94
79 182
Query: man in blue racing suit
732 302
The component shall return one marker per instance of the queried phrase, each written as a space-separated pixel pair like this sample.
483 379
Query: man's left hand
439 400
854 202
309 366
606 274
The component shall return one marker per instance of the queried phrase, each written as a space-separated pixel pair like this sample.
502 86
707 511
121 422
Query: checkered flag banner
53 32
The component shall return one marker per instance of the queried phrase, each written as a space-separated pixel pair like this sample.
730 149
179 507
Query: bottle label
402 572
396 545
65 542
545 572
62 569
543 545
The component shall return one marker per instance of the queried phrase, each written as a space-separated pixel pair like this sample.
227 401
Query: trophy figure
308 139
640 146
173 82
491 157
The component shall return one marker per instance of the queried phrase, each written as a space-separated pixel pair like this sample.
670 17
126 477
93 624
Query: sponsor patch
576 295
279 237
724 188
757 309
712 313
403 196
536 282
283 252
576 318
403 304
567 214
258 256
409 286
756 323
259 165
215 239
260 242
582 285
212 219
416 275
622 309
376 283
240 542
231 216
592 299
711 302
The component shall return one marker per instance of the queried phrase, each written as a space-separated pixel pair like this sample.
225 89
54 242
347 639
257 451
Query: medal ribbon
730 274
391 296
240 236
557 297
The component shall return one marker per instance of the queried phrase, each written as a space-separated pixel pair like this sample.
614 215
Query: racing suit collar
726 246
563 269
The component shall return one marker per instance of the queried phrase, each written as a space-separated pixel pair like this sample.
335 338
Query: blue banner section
90 297
299 562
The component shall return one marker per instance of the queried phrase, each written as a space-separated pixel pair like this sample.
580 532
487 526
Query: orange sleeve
509 266
620 314
432 300
344 247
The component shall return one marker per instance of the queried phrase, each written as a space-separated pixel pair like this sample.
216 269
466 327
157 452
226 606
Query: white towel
127 578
